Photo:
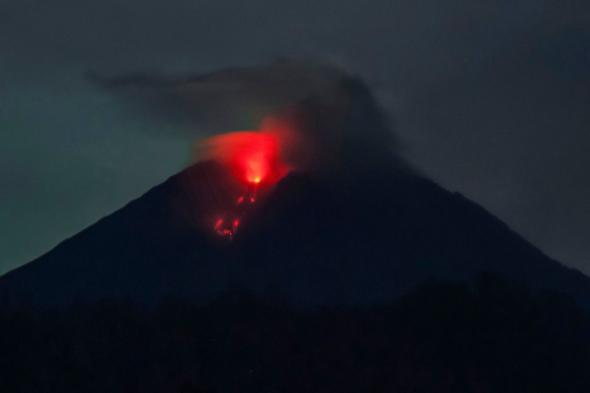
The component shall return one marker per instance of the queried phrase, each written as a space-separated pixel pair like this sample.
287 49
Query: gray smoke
334 110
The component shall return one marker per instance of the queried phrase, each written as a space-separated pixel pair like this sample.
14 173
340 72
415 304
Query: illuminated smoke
332 111
253 157
296 116
339 132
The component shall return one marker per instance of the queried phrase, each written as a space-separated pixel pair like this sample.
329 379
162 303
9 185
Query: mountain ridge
362 238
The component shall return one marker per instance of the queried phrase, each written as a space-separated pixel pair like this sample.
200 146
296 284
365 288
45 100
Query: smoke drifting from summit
263 123
333 120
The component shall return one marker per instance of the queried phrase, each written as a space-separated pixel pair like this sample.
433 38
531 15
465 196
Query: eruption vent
252 157
256 160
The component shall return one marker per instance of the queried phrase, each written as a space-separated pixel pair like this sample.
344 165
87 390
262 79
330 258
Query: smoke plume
332 118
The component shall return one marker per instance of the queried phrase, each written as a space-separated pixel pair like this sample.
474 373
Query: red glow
256 159
224 230
253 157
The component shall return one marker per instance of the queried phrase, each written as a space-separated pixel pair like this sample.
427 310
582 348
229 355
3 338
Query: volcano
313 207
313 240
378 282
300 256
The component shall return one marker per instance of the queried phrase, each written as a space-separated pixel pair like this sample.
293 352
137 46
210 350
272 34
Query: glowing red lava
226 229
255 159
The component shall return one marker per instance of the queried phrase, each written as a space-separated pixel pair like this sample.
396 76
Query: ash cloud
227 99
334 112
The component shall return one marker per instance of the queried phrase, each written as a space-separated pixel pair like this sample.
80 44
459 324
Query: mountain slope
363 238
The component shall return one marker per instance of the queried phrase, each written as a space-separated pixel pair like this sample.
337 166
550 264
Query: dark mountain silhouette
490 336
378 281
355 275
363 238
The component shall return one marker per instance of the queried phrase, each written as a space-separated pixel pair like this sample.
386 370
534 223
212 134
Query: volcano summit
326 214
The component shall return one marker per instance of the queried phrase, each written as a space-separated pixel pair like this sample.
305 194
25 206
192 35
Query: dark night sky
489 98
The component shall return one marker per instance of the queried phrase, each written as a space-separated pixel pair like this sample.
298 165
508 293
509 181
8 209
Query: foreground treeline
487 337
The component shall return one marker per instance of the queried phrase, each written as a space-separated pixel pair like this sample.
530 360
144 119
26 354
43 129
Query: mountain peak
312 239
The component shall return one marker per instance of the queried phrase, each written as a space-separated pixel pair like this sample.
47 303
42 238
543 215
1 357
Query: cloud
231 98
334 111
